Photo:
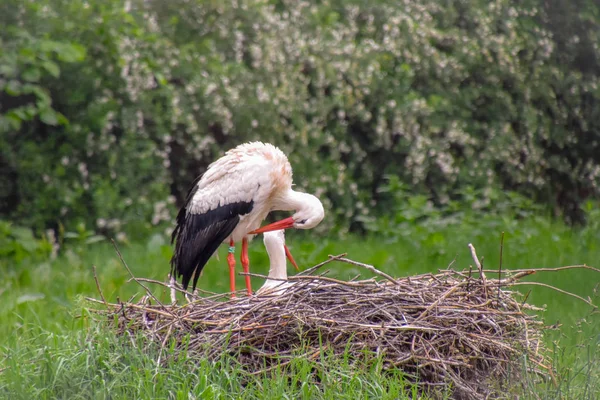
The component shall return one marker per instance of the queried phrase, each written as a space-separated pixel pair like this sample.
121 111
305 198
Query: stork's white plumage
228 204
276 282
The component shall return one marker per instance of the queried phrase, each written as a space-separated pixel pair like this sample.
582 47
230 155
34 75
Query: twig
391 327
316 267
526 297
435 303
177 286
476 261
324 278
513 278
98 286
144 302
500 262
577 266
133 276
558 290
370 268
479 267
255 275
452 262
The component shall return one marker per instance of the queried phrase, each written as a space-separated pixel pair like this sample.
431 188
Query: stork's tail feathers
197 237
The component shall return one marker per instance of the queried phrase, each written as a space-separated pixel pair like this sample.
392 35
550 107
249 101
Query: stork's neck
292 201
278 265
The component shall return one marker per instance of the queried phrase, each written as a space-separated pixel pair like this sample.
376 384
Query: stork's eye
301 222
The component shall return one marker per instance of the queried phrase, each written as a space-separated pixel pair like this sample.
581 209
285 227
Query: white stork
277 250
228 204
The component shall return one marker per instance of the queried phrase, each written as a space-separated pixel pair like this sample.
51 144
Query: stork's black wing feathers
197 237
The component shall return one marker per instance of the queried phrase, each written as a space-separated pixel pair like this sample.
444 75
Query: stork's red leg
246 265
231 262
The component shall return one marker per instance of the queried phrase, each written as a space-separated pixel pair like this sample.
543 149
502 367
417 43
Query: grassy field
50 346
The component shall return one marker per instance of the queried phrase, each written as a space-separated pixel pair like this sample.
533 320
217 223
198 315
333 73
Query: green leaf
43 98
21 233
13 88
32 74
160 78
49 117
17 113
13 120
27 53
62 120
71 52
7 70
48 45
52 68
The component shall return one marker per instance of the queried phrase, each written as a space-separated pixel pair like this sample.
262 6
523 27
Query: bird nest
454 331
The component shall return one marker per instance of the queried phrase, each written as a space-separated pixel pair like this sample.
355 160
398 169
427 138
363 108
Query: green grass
50 346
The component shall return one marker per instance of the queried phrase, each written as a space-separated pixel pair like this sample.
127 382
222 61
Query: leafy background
421 124
109 109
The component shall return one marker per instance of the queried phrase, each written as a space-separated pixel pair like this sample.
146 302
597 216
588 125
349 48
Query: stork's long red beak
289 257
275 226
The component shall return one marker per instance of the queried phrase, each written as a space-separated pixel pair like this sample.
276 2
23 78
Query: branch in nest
133 276
98 285
587 301
370 268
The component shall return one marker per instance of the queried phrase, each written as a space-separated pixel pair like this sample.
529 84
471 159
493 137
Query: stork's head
310 214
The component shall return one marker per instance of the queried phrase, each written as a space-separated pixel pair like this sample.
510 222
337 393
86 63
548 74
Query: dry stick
435 303
155 311
469 278
316 267
91 299
476 260
513 278
391 327
479 267
370 268
324 278
168 286
452 262
134 278
260 276
577 266
500 263
144 301
98 286
558 290
526 297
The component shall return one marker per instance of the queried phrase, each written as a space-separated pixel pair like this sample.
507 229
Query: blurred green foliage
18 244
109 109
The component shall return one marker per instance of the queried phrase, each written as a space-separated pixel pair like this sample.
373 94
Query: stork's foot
172 286
191 297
